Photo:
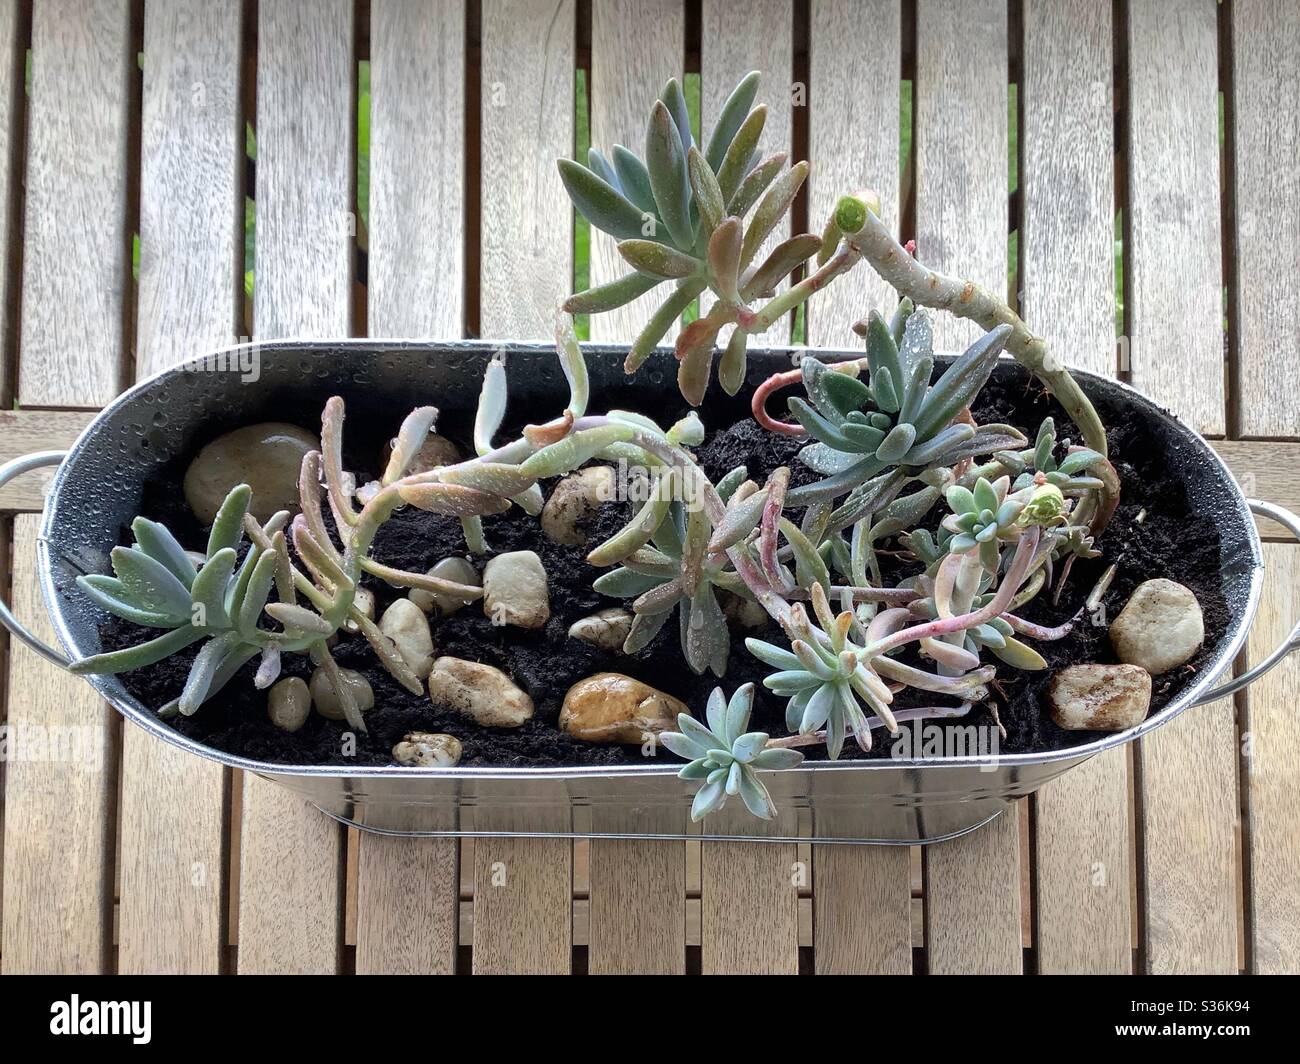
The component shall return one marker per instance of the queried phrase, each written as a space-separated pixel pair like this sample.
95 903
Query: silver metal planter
149 431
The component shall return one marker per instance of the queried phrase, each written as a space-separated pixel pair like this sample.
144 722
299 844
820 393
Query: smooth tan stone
288 703
607 629
573 501
266 456
406 625
1159 628
612 708
482 693
326 699
1100 697
459 571
515 591
428 750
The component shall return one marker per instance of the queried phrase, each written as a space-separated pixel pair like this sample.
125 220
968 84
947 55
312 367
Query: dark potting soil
1170 542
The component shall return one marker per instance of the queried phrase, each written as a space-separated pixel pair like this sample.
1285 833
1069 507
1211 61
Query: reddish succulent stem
759 403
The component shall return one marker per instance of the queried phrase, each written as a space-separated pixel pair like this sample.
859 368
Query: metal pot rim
142 716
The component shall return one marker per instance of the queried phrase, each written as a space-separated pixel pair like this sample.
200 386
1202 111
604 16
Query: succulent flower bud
1046 506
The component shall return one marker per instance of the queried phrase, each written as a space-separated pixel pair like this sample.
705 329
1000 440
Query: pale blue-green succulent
725 758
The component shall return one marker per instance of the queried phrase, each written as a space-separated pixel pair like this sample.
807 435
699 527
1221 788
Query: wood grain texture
1190 854
305 170
291 855
1271 745
737 881
961 148
417 150
1067 271
76 255
1067 262
172 867
12 63
972 884
862 910
526 123
25 431
636 46
191 187
1263 468
59 789
407 888
522 906
854 52
1084 871
972 901
406 905
735 39
637 896
1175 307
1266 237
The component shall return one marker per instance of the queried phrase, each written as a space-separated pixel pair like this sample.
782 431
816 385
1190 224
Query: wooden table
1178 854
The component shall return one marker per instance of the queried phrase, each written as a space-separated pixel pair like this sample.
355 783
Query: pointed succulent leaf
961 382
812 567
1044 443
108 593
744 748
453 500
600 203
786 257
834 486
665 157
227 526
936 451
715 712
914 391
249 608
755 184
610 296
709 798
696 770
149 584
730 118
777 758
663 319
209 588
898 320
415 429
675 101
574 367
1078 461
645 626
770 654
739 521
739 708
882 354
756 797
731 367
775 203
724 259
735 163
573 451
819 426
633 179
204 670
827 460
600 166
157 541
140 655
708 196
657 260
726 487
695 357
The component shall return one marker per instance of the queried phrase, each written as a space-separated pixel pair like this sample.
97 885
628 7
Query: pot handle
8 472
1291 643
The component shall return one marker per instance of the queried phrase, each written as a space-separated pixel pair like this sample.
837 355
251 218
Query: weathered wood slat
862 910
1175 308
972 884
25 431
76 254
862 898
291 887
972 901
1066 244
12 63
1271 749
853 128
407 888
417 145
1067 266
1266 237
526 118
961 148
635 47
738 38
522 911
749 905
171 915
1175 317
59 789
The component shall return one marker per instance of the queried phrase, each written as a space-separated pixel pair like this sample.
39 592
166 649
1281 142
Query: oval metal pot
150 431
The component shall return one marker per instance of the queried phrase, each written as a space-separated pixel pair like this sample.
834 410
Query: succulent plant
724 756
680 217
